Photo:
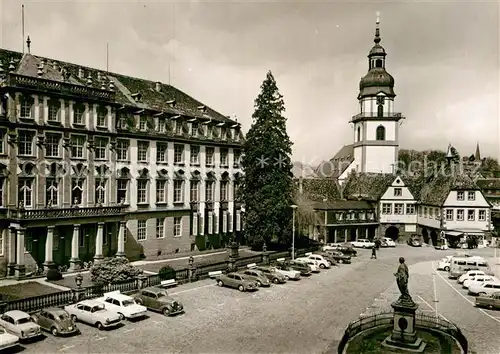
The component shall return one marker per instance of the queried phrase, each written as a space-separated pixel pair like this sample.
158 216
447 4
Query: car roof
90 303
54 310
154 289
17 314
116 296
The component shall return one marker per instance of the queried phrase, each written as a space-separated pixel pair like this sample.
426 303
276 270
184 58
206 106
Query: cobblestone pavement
297 317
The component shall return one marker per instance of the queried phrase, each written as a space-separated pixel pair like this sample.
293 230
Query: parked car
123 305
274 275
347 249
479 279
259 277
444 264
321 261
237 281
7 340
302 267
387 242
486 288
326 255
363 243
157 299
338 256
490 301
20 324
415 240
314 265
288 271
94 313
469 275
56 321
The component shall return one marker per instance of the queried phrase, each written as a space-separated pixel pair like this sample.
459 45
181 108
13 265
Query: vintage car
301 267
322 262
157 299
7 340
363 243
444 263
255 274
314 265
415 240
337 256
490 301
387 242
288 272
20 324
94 313
56 321
478 279
326 255
275 275
237 281
469 275
486 288
123 305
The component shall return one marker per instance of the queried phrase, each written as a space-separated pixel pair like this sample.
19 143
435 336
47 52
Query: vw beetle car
157 299
255 274
274 275
56 321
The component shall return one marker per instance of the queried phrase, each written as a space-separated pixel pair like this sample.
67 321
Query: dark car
328 256
347 249
157 299
339 257
272 274
415 240
302 267
56 321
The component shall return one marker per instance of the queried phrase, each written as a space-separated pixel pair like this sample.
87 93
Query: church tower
376 127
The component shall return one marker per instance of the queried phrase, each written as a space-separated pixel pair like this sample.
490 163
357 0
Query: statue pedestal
404 335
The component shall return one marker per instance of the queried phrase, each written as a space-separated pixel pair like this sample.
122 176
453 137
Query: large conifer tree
267 184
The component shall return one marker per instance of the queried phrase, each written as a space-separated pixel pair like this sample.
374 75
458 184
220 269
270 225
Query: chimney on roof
81 74
89 80
202 108
103 85
111 85
54 65
158 86
42 63
99 77
40 70
136 96
12 67
171 103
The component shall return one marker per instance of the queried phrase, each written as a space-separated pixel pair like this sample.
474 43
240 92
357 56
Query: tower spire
377 29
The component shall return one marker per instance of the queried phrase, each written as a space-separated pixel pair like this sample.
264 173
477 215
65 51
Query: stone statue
402 276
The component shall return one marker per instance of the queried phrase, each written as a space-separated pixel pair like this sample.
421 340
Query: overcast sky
444 56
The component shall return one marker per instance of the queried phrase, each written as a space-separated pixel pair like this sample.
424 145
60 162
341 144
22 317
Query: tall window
380 133
141 230
178 191
398 209
460 195
482 213
178 127
100 191
223 190
460 214
410 209
2 142
78 114
142 191
143 123
76 191
142 151
209 191
209 156
471 195
77 144
122 147
26 104
236 189
26 142
54 108
100 148
161 191
194 129
449 214
161 152
380 110
177 226
26 193
121 190
193 196
102 117
52 192
223 157
237 158
52 148
161 125
471 214
160 228
2 183
195 155
178 153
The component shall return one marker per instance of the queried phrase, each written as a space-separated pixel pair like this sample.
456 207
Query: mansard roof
437 189
368 186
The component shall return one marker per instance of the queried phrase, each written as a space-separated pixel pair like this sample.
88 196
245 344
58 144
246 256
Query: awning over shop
454 233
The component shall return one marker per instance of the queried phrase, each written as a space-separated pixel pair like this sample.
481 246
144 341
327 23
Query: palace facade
96 164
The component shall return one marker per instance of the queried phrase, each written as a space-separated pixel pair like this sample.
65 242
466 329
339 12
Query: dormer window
178 127
194 129
161 125
460 196
398 192
143 123
471 196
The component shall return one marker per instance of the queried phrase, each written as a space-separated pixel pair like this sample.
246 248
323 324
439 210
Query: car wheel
122 317
276 280
73 317
259 284
220 283
99 325
241 288
481 294
322 266
166 311
139 301
446 269
287 277
54 332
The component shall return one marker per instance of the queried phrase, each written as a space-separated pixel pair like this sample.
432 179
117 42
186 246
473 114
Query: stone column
20 268
357 233
345 235
366 233
49 246
12 251
98 242
75 243
335 236
121 240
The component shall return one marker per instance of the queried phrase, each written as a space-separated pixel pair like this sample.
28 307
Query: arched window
380 133
359 134
380 110
378 63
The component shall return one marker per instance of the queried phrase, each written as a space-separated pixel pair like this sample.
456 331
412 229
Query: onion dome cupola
377 79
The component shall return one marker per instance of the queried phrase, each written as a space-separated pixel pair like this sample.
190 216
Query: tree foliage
112 270
267 183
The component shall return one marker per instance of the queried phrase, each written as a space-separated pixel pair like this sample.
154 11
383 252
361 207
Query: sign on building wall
195 224
410 228
238 220
224 222
230 221
210 223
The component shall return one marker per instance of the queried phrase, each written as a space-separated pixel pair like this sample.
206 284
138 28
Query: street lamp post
293 230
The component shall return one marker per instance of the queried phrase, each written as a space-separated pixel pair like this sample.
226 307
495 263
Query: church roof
437 189
337 164
368 186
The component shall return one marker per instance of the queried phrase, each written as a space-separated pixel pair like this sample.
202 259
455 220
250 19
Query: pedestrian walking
374 252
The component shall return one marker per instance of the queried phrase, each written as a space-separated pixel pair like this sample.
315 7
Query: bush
53 275
167 272
113 270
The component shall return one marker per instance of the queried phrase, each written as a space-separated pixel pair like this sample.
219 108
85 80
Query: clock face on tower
380 100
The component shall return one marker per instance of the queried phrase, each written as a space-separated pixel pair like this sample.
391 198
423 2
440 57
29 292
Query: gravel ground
308 316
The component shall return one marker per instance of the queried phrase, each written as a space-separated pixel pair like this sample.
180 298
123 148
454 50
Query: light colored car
314 265
320 260
123 305
94 313
7 340
388 242
20 324
444 264
255 274
469 275
274 275
236 280
486 288
363 243
56 321
479 279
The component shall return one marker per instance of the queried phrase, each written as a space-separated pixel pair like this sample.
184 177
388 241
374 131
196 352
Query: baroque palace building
96 164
